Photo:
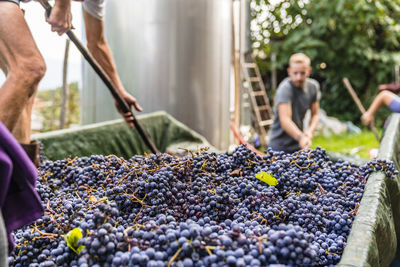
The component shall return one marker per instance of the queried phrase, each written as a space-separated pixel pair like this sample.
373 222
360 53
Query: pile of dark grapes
203 209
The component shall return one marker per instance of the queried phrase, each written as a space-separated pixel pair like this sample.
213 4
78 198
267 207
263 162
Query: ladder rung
257 93
250 65
254 79
265 107
266 123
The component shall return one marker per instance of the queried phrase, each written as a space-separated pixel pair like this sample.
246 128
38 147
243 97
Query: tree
52 111
343 38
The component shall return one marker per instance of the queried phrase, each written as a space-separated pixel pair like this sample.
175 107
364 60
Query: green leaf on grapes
266 178
72 239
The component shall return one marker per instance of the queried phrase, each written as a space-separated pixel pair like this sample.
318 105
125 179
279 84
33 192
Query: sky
52 46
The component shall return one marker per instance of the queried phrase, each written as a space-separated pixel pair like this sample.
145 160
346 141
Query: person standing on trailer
24 67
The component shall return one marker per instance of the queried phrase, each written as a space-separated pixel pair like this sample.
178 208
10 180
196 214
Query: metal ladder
258 97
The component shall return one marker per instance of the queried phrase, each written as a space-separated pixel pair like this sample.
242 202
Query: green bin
115 137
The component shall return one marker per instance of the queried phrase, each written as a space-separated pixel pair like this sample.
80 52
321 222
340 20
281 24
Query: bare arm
285 118
384 97
100 50
314 119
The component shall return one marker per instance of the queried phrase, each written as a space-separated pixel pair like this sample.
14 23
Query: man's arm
100 50
314 119
384 97
285 118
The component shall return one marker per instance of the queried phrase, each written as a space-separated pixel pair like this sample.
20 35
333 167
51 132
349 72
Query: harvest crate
115 137
375 231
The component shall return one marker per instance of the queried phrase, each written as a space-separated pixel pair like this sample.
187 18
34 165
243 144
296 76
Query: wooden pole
236 66
53 109
273 72
65 91
359 105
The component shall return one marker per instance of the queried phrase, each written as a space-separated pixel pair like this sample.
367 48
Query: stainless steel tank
171 55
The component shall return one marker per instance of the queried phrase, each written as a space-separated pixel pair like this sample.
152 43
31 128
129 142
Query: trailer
375 230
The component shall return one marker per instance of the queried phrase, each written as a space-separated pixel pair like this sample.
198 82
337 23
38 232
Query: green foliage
343 38
345 143
51 113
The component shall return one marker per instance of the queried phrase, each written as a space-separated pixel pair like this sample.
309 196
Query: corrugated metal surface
245 26
171 55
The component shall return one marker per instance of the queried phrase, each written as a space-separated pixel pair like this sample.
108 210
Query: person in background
24 67
295 95
385 97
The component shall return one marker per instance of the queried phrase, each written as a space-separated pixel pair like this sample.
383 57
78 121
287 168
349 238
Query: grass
348 144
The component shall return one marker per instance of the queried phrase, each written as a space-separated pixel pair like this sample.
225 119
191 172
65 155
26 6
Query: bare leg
24 67
22 130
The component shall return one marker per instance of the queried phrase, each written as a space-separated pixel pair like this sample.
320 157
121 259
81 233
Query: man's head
299 69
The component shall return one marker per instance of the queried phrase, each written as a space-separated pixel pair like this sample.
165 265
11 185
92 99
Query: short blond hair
300 58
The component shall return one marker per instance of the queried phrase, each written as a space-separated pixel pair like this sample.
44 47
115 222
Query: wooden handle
354 95
360 105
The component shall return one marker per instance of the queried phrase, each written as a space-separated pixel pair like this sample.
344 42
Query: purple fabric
395 105
19 201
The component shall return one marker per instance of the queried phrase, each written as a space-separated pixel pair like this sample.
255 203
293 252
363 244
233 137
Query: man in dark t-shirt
295 95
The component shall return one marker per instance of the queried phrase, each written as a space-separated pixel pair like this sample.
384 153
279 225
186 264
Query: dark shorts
395 105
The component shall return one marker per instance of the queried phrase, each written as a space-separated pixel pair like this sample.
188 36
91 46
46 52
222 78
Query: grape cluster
201 209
